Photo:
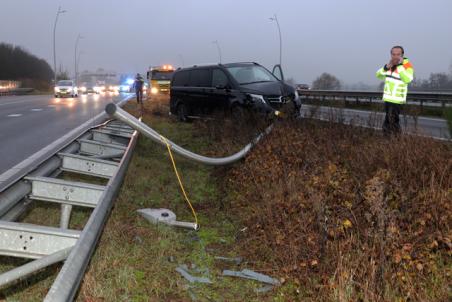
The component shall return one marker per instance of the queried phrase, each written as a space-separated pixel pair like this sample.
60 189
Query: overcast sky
348 38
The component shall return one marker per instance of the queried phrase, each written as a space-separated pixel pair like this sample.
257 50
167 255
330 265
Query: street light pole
54 46
275 18
78 59
182 59
219 49
75 58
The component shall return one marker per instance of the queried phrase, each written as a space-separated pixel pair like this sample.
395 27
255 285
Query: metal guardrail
68 280
35 180
9 85
442 99
20 170
15 91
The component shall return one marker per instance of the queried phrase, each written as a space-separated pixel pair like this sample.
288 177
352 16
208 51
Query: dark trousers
391 125
139 93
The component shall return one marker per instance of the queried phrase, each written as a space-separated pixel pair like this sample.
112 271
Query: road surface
30 123
434 127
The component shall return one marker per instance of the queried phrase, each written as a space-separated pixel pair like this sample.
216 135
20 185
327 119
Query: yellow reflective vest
396 81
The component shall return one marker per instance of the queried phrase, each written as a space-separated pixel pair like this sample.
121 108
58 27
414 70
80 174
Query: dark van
234 87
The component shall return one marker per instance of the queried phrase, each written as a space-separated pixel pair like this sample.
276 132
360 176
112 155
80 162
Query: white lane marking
51 106
36 109
14 115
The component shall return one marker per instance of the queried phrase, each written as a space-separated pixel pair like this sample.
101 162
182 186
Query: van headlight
57 89
257 98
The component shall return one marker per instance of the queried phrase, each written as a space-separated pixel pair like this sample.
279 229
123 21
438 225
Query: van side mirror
278 73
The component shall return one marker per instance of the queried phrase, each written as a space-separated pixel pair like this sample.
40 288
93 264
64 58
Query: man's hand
389 65
396 61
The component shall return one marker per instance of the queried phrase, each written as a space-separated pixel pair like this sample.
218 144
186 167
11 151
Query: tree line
437 81
440 81
17 64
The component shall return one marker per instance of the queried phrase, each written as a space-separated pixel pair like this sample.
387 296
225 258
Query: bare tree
326 81
18 64
438 80
62 75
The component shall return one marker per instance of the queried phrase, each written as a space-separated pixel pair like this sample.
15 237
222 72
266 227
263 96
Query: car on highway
124 88
235 88
88 88
66 88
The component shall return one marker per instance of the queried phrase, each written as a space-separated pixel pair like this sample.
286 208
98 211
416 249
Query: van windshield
251 74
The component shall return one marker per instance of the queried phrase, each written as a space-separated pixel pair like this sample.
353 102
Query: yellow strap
180 182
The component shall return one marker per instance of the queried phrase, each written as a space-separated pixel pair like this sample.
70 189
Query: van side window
181 78
219 78
200 78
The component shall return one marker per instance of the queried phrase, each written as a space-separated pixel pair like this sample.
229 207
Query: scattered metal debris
165 216
236 260
249 274
138 239
183 270
264 289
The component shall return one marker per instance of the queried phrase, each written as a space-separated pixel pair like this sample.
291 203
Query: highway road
434 127
30 123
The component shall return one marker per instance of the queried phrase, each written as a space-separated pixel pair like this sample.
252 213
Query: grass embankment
347 215
336 213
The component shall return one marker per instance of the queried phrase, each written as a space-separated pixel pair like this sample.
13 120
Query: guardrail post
66 210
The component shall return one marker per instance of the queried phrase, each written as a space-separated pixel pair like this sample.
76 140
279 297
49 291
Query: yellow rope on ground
180 181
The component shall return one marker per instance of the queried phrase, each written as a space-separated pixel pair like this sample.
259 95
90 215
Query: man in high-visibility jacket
397 74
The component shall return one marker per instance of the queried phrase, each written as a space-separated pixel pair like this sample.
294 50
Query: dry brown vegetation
347 215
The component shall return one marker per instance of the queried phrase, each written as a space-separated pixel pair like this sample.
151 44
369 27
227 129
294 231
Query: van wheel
182 112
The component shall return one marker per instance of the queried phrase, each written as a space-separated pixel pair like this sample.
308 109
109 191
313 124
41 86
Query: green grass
145 256
448 117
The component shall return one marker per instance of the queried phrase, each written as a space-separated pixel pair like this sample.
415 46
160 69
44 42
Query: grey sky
348 38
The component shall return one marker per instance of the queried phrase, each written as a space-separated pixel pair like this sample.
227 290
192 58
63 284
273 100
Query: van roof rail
205 64
215 64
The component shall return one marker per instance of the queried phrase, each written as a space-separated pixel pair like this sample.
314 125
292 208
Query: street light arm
75 57
275 18
54 43
218 48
